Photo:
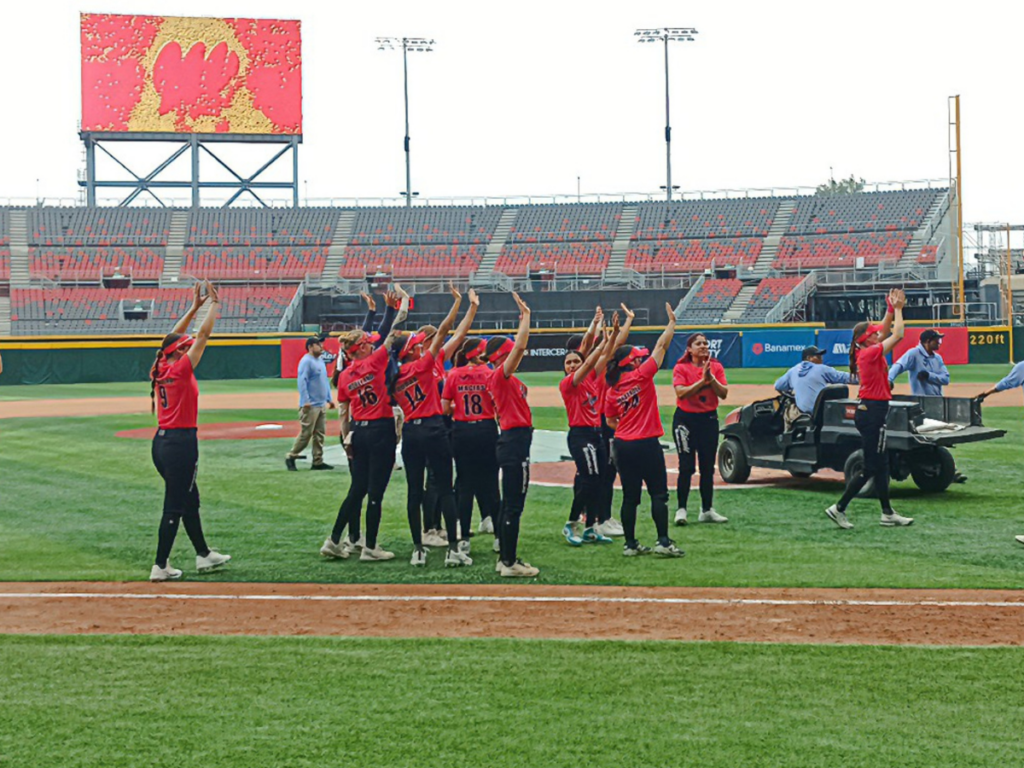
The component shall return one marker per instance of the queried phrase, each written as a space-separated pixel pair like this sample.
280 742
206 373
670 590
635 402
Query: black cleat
290 463
321 465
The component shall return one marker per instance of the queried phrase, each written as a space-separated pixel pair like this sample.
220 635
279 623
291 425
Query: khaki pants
791 414
313 421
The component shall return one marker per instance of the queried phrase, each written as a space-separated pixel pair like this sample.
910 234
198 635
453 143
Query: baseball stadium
724 478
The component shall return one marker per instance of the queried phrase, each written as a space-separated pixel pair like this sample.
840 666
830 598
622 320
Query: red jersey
467 388
509 395
703 400
177 395
362 384
874 374
582 405
634 402
416 389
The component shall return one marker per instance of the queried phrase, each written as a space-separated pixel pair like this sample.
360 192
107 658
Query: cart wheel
934 473
732 462
852 468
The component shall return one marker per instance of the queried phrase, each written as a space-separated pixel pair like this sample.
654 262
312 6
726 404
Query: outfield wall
64 360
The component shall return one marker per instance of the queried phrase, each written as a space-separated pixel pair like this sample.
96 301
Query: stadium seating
284 262
98 310
710 304
769 292
91 264
405 261
425 226
262 226
743 217
98 226
566 223
929 254
863 212
692 255
564 258
817 251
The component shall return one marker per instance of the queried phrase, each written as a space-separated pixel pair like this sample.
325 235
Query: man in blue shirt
314 400
805 380
928 373
1015 378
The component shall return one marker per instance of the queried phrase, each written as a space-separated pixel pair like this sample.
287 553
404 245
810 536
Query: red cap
366 338
870 330
476 349
183 343
501 352
412 341
634 354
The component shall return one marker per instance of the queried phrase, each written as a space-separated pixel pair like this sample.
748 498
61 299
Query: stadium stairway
5 316
620 245
920 238
485 272
770 248
336 250
175 247
19 249
740 303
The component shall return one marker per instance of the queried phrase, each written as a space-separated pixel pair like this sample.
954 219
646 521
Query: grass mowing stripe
211 702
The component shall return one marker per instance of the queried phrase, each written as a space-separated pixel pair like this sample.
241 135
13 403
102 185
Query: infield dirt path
902 617
739 394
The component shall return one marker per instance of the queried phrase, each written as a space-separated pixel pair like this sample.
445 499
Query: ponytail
613 372
460 355
154 372
858 331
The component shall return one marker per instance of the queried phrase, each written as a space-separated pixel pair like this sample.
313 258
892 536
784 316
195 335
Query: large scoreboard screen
170 74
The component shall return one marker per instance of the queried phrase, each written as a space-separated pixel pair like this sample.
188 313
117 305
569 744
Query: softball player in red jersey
516 422
174 393
631 407
579 390
424 436
699 381
365 411
871 343
466 398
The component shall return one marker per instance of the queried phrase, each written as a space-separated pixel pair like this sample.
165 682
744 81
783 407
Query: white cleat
1019 539
353 546
681 516
486 526
419 558
164 574
519 570
431 539
611 527
213 560
371 555
498 566
668 550
456 558
464 547
839 518
895 520
710 516
336 551
497 545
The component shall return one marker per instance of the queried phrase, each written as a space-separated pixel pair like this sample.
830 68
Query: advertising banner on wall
836 345
954 350
774 349
725 346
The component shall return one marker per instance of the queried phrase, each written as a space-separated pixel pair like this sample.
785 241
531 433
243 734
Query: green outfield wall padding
989 345
76 366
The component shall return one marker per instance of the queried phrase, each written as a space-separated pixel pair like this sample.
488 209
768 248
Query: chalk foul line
512 599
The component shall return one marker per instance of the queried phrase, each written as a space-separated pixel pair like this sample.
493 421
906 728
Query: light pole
407 44
664 35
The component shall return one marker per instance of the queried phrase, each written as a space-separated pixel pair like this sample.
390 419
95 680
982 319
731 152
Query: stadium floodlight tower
407 44
666 35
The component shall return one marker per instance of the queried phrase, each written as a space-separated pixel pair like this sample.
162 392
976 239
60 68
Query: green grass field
79 503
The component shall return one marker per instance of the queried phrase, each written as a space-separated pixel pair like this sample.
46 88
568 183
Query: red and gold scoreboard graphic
169 74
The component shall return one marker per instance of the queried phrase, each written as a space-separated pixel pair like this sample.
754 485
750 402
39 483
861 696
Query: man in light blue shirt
314 400
928 372
1015 378
805 380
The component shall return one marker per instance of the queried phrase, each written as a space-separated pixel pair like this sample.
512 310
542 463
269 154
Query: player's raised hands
523 308
629 313
370 303
474 297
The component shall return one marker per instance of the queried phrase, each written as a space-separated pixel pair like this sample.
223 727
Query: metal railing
794 300
294 306
691 294
977 313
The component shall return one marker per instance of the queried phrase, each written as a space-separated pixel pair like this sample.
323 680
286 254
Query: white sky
521 98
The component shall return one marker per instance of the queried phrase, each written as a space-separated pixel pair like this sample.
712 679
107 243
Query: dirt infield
901 617
739 394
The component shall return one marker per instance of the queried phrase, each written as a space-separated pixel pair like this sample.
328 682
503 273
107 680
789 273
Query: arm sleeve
1013 379
649 368
940 377
782 384
905 363
385 324
448 393
832 376
304 371
371 315
718 371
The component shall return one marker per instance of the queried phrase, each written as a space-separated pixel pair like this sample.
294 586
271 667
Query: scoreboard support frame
195 144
